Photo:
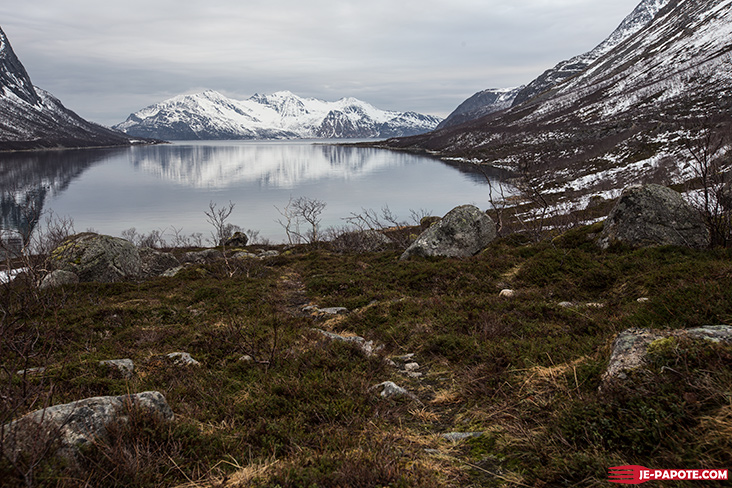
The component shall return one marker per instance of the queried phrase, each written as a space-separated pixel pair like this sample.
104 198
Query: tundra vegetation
513 378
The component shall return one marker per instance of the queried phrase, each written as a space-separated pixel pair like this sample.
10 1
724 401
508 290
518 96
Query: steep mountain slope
626 118
31 118
281 115
641 16
482 103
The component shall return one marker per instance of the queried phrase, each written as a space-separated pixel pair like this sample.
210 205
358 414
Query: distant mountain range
281 115
31 118
622 113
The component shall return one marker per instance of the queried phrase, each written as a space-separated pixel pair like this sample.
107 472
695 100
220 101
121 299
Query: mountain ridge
627 118
32 118
280 115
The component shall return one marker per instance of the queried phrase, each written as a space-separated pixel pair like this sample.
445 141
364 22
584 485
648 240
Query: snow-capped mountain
641 16
281 115
31 118
482 103
626 118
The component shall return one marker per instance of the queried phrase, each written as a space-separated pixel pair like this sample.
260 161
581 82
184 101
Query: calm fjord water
156 187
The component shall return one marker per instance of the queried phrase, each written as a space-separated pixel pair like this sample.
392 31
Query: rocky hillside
626 117
281 115
31 118
481 104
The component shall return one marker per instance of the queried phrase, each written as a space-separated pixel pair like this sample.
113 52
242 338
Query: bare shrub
301 219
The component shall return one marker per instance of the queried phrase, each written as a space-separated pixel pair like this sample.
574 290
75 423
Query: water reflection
28 179
273 165
156 187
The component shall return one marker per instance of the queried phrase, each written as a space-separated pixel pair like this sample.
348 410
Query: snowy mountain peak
280 115
638 19
13 77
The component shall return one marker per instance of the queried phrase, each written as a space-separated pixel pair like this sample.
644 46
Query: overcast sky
105 60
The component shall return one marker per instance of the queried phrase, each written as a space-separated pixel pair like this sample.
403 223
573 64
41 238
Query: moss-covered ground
523 371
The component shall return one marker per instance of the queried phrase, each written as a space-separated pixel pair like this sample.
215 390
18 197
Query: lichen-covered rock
155 263
125 367
630 348
653 215
207 255
59 278
71 426
239 239
95 257
463 232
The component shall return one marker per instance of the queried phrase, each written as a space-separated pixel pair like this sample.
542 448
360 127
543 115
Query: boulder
124 367
239 239
183 359
463 232
200 257
95 257
71 426
653 215
362 241
156 263
59 278
630 348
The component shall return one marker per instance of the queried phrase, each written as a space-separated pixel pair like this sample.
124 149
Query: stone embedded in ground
74 425
630 348
239 239
200 257
653 215
95 257
183 359
507 293
463 232
460 436
156 263
125 366
59 278
366 346
389 389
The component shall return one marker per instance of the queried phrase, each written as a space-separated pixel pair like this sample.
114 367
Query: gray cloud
106 60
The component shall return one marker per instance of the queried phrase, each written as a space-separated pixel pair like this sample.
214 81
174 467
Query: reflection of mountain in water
270 165
28 179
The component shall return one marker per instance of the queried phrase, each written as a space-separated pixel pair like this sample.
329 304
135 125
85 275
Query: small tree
302 211
217 217
711 165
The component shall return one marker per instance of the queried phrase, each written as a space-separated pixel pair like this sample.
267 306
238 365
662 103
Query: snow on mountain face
482 103
31 118
280 115
641 16
625 119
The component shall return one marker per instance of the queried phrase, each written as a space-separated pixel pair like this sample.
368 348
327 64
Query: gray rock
653 215
156 263
463 232
245 255
460 436
59 278
200 257
239 239
31 371
172 272
125 366
366 346
183 359
95 257
390 389
362 241
73 425
630 348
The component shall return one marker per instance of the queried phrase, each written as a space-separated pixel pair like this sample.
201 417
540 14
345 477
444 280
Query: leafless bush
709 150
301 219
217 217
